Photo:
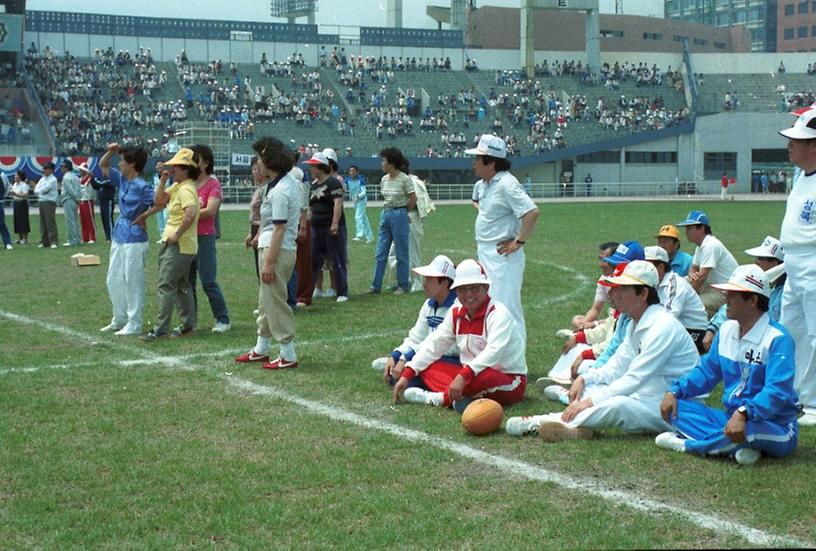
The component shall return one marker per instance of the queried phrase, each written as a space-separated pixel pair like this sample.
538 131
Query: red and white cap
748 278
804 128
470 272
318 158
441 266
770 248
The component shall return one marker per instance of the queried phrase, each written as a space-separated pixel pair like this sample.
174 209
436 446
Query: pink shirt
210 190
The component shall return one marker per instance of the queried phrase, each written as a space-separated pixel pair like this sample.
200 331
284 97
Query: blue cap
626 252
695 217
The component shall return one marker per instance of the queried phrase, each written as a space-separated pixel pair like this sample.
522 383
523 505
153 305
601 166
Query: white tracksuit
798 236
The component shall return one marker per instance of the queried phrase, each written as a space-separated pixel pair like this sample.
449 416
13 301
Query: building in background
759 17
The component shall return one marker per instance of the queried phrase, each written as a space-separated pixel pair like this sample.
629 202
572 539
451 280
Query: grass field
109 442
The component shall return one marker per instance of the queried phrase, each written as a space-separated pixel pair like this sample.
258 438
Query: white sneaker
221 327
9 247
67 244
357 239
342 299
256 312
564 333
670 441
520 426
807 420
329 293
557 393
111 328
91 242
379 364
128 332
747 456
416 395
54 246
317 293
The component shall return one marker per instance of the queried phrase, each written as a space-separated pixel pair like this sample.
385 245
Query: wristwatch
743 411
520 242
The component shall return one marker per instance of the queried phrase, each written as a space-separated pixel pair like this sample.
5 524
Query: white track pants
799 317
506 274
126 282
625 413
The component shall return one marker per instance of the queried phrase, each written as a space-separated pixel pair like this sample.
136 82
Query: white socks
262 345
287 351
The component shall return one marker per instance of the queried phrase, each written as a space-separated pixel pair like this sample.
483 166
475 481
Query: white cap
748 278
656 253
470 272
330 154
489 145
441 266
770 248
637 272
318 159
804 128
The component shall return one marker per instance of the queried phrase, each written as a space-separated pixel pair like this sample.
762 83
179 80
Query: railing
34 98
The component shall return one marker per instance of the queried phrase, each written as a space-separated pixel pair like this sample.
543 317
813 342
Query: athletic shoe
182 331
558 431
151 336
128 332
317 293
379 364
221 327
342 299
301 305
256 312
520 426
251 356
54 246
40 246
357 239
544 382
67 244
747 456
670 441
9 247
111 328
399 291
564 333
556 393
91 242
369 241
373 291
416 395
329 293
280 363
807 420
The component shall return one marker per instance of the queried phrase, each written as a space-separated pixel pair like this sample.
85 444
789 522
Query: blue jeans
362 227
393 228
206 266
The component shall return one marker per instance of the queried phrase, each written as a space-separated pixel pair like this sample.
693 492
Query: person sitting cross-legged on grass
491 351
626 392
437 278
754 358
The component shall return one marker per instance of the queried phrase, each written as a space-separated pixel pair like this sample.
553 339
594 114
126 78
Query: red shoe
280 363
251 356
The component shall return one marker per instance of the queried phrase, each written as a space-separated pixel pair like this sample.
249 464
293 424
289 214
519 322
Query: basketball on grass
482 417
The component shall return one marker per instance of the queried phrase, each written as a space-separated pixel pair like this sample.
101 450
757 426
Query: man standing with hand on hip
506 219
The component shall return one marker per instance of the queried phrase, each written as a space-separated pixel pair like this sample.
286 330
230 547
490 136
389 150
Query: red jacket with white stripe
490 339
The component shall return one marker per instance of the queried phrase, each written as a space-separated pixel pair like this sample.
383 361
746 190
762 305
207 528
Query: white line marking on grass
515 467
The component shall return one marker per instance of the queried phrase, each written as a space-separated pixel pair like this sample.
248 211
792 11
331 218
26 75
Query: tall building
758 16
797 26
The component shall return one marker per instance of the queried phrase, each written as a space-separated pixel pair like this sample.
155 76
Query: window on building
803 7
789 9
813 30
651 157
679 38
700 42
722 20
609 157
788 34
776 156
715 163
719 45
611 34
801 32
652 36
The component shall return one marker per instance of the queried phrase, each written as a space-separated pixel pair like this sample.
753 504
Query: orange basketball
482 417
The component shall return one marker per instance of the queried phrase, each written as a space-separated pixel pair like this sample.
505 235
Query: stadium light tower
292 9
593 30
393 14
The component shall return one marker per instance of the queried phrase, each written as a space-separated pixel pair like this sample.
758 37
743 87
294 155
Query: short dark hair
205 154
762 303
498 163
22 175
395 158
135 155
193 172
325 169
608 245
355 167
651 296
274 154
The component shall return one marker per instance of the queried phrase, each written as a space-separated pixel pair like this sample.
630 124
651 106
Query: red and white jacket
490 339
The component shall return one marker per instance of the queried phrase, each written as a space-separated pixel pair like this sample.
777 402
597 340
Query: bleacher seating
758 93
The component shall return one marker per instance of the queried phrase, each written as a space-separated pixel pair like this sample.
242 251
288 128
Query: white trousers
625 413
506 273
126 282
799 317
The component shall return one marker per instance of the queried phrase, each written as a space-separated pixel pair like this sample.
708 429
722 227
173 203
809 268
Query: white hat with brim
637 272
330 154
441 266
748 278
470 272
804 128
489 145
656 253
771 248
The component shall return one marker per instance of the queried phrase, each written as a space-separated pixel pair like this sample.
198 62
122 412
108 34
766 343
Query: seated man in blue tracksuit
754 357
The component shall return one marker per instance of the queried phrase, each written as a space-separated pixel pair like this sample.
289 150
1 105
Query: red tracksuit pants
86 220
505 388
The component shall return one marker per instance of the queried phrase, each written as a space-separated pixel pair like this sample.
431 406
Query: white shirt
281 204
46 188
430 317
602 293
711 253
799 224
682 301
656 351
502 203
497 344
20 188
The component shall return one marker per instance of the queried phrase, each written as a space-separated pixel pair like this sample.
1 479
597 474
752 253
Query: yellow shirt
182 195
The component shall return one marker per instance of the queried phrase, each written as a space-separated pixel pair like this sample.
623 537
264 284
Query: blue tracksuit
757 372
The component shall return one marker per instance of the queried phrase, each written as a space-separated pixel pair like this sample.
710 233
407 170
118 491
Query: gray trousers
174 288
48 223
71 210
